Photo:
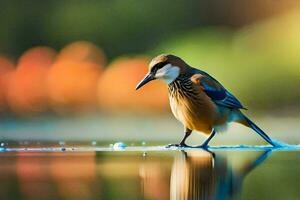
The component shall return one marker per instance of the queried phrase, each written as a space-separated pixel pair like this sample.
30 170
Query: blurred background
68 70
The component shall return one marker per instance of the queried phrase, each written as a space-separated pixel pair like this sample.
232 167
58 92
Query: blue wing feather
214 94
230 101
219 95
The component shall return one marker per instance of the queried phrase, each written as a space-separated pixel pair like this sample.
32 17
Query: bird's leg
187 133
205 143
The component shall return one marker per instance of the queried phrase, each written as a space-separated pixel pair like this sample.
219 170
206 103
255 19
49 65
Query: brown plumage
197 100
191 106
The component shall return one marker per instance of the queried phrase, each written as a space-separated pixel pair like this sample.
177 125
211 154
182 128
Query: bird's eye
158 66
153 69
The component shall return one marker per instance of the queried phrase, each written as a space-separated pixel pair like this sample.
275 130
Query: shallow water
152 173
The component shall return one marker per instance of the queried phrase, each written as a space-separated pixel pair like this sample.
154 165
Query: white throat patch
168 73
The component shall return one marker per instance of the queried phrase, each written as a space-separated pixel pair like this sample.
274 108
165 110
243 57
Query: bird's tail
247 122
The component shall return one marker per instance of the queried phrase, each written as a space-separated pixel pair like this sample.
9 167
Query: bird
198 100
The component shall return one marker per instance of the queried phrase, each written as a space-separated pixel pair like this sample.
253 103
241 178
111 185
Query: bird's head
164 67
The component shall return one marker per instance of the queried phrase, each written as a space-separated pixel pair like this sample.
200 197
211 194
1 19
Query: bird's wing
216 91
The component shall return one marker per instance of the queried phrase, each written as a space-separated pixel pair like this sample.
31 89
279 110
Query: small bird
197 99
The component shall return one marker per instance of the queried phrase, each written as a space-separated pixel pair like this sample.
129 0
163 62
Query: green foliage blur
251 46
120 27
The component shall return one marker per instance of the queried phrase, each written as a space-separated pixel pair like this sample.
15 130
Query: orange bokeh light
27 89
82 51
116 88
6 67
72 85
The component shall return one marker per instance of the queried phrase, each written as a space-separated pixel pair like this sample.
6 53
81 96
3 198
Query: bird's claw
202 146
176 145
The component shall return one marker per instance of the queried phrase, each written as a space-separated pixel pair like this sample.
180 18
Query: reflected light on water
152 175
205 175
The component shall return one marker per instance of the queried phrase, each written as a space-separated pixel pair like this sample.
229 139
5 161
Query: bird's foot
278 144
177 145
202 146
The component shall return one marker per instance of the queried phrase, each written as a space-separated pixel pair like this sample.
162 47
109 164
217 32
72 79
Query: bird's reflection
209 175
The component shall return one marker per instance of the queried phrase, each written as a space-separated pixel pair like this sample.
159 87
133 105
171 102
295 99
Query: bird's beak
149 77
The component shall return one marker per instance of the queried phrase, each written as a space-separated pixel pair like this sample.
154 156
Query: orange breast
197 113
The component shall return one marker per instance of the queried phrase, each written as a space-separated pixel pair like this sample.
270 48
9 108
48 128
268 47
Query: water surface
93 172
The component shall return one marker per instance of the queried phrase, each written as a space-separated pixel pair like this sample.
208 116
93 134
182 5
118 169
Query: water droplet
94 143
119 146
